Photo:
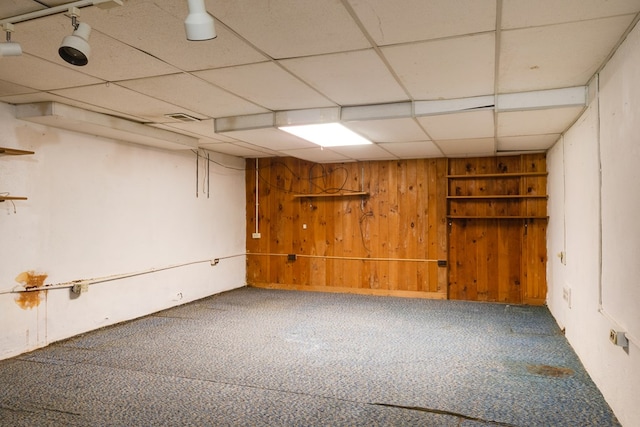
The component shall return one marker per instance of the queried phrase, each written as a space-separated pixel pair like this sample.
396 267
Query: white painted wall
98 208
593 217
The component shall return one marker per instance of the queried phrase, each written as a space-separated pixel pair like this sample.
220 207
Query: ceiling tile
413 150
270 138
475 124
389 130
192 93
527 143
110 60
134 22
451 68
536 122
8 88
292 28
527 13
238 149
29 71
10 8
200 128
318 155
283 91
391 23
365 152
468 147
351 78
114 97
556 56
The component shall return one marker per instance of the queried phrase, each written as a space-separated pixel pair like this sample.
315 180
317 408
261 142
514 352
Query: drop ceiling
420 78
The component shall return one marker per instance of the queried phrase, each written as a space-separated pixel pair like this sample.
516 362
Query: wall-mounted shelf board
14 152
496 217
5 151
501 196
498 175
348 194
3 198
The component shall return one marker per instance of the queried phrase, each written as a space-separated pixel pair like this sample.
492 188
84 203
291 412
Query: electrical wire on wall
94 281
318 184
311 179
206 171
12 203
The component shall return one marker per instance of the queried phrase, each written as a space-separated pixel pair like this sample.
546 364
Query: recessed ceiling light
326 134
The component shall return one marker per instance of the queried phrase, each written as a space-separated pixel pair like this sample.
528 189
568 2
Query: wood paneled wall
498 224
388 241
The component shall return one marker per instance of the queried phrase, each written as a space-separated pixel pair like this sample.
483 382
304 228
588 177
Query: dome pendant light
75 48
199 24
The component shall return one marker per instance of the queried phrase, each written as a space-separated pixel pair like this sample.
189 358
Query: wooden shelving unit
497 192
5 151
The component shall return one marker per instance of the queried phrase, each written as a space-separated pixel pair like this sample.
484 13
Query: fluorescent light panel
326 134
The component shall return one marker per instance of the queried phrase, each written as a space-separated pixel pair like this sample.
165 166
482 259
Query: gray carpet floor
256 357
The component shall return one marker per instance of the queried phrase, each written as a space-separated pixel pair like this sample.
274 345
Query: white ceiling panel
557 56
365 152
413 150
527 13
340 77
475 124
468 147
238 149
164 20
318 155
17 7
389 22
389 130
450 68
191 92
536 122
8 88
270 138
29 71
118 98
291 28
524 143
266 84
110 59
200 128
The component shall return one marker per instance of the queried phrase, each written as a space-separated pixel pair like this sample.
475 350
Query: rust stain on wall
30 299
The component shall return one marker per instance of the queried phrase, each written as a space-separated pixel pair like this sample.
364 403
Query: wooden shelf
3 198
508 195
14 152
501 196
348 194
496 217
498 175
5 151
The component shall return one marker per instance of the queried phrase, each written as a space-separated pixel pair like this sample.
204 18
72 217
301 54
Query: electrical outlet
256 235
618 338
80 288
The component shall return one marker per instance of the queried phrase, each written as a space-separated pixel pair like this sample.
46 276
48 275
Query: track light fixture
75 48
9 48
199 24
